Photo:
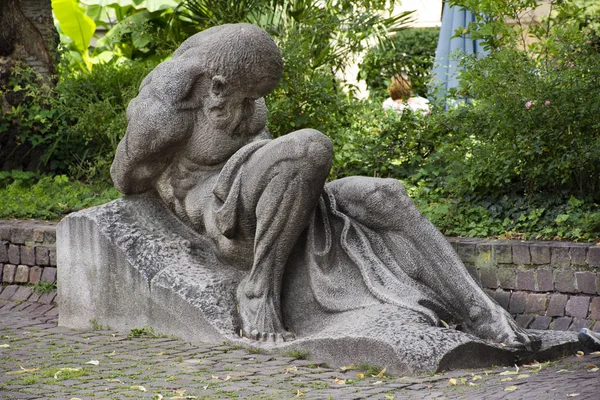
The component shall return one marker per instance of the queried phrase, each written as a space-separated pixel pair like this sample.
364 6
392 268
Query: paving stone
3 252
561 323
466 252
22 293
578 255
42 256
502 297
27 255
585 282
536 303
21 234
22 274
49 275
560 256
8 292
525 279
544 280
507 278
35 274
520 254
594 256
14 254
517 303
542 323
540 254
38 235
488 277
577 306
579 324
502 253
8 273
595 309
52 256
47 298
557 304
524 320
564 281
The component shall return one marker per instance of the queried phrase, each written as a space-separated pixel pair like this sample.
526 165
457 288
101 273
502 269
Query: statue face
227 105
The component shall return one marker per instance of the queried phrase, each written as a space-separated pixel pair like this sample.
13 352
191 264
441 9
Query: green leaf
75 24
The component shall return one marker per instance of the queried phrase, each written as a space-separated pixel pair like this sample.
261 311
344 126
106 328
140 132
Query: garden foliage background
513 152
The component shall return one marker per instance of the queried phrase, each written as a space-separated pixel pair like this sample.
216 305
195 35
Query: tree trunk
27 36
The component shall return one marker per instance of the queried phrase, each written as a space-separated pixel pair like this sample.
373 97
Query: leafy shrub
411 51
31 195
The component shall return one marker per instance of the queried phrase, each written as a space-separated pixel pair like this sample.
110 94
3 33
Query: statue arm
155 133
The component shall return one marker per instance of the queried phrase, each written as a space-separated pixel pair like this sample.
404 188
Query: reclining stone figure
197 136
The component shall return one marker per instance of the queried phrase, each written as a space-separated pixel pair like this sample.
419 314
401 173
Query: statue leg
281 185
384 205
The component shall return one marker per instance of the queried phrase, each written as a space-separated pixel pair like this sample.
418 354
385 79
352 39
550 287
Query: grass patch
44 287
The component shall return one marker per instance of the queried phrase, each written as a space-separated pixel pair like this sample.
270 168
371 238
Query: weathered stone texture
544 280
42 256
502 297
542 323
466 252
585 282
27 255
22 274
507 277
564 281
49 275
577 306
595 309
503 253
594 256
560 257
579 323
578 255
3 251
524 320
561 324
14 254
520 253
525 280
8 273
488 278
540 254
21 234
35 273
536 303
557 304
52 256
517 303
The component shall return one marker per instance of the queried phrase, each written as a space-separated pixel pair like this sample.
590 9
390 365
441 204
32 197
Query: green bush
49 197
411 51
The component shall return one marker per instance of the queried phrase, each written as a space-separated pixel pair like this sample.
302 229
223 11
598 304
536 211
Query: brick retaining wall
545 285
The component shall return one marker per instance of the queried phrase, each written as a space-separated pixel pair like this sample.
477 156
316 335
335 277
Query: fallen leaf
74 398
506 380
205 387
4 346
157 396
473 384
360 376
214 377
339 381
170 378
389 397
476 377
93 362
377 383
347 368
179 391
114 380
291 369
380 374
593 369
508 373
162 353
563 370
138 387
112 353
522 376
22 371
510 388
445 324
573 394
452 382
517 368
299 394
580 353
596 353
228 377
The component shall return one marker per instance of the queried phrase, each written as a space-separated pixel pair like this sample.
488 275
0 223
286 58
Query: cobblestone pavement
39 360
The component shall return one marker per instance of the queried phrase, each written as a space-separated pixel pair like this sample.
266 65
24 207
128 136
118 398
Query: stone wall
27 252
545 285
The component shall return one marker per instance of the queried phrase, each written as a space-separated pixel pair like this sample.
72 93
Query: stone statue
197 136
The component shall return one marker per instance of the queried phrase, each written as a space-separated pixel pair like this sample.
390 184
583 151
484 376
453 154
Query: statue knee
311 151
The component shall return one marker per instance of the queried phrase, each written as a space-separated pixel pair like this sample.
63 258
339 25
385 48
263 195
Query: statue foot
497 325
260 318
